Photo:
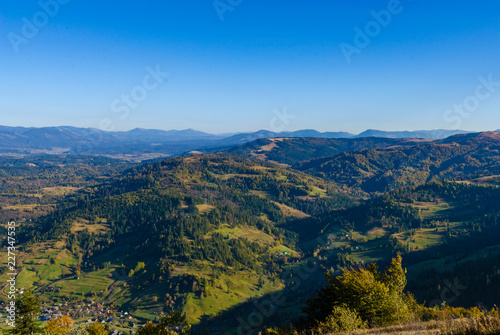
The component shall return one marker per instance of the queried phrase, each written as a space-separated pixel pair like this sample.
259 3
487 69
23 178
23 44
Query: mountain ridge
382 169
139 141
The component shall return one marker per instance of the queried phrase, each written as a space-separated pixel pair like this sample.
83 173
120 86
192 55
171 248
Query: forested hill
185 232
206 181
446 232
378 170
294 150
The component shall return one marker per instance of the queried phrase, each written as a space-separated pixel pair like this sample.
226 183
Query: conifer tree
27 318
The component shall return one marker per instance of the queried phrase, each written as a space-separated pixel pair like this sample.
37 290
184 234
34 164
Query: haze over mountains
150 142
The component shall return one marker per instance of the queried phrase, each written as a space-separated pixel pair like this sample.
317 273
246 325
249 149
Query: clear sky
233 64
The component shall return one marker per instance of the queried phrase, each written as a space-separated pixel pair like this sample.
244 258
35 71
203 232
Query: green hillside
223 237
200 233
379 170
444 230
294 150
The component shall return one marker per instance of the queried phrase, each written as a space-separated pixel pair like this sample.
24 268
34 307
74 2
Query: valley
248 232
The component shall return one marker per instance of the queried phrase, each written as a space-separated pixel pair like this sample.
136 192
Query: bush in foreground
478 325
341 319
377 298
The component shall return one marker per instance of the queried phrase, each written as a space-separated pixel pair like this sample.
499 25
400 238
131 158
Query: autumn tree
377 299
96 329
59 326
395 276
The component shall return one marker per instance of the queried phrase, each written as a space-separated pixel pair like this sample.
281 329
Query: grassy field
227 292
291 212
250 233
261 194
485 181
44 263
317 192
96 228
429 209
414 328
464 326
204 208
59 190
423 238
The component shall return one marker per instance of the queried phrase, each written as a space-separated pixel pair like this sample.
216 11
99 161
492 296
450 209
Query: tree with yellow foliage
96 329
377 298
59 326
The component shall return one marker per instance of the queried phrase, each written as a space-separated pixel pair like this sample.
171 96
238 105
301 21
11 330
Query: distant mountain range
150 142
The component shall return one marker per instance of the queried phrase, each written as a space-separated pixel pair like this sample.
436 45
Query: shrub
59 326
377 298
342 319
96 329
479 325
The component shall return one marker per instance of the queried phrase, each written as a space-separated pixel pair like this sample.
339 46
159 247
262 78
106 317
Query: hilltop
291 151
458 157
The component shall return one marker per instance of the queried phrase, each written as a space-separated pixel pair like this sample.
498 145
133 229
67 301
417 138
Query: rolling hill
448 232
201 233
378 170
291 151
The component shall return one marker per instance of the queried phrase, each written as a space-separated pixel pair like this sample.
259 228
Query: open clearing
290 212
96 228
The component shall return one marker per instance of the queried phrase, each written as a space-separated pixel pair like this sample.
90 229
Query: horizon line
245 132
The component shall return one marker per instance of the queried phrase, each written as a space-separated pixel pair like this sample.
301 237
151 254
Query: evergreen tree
28 312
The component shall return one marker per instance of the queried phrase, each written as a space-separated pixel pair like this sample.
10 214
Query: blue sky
234 74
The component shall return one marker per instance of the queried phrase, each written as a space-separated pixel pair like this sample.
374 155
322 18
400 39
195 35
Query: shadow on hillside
272 309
